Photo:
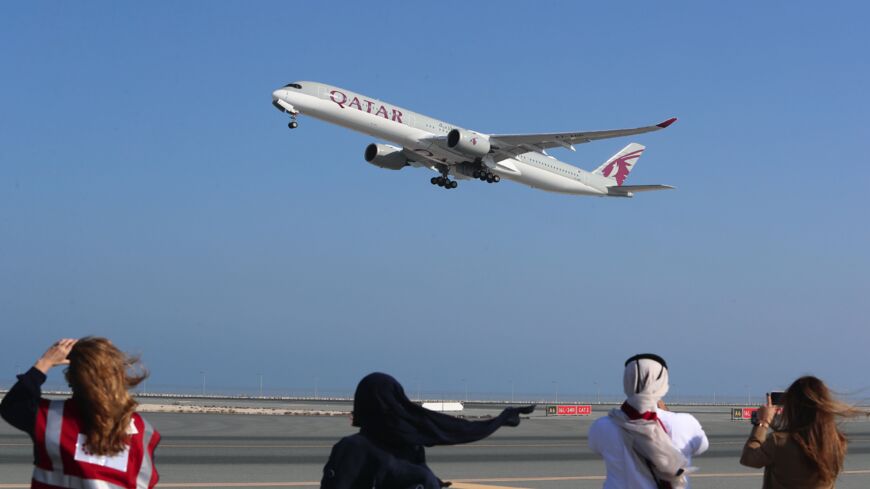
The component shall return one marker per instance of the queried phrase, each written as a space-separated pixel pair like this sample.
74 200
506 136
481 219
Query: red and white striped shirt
63 462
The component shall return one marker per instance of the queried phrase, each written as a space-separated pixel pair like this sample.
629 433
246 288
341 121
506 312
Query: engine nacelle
468 143
386 156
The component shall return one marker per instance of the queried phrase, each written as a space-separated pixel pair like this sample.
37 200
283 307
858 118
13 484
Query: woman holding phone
806 448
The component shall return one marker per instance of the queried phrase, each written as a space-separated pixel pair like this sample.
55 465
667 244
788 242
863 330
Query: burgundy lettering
369 104
333 95
383 112
353 102
397 116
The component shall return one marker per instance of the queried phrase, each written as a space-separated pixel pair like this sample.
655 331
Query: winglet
667 122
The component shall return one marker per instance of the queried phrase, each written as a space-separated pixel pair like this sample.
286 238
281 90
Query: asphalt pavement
239 451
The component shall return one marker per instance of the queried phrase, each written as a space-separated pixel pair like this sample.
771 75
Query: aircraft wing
420 160
425 159
523 143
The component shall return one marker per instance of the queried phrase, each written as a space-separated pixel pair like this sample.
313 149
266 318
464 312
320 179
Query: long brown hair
809 415
99 375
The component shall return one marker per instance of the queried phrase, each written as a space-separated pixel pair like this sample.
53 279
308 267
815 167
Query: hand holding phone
766 412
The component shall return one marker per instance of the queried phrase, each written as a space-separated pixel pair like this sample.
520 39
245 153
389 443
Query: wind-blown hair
809 415
100 375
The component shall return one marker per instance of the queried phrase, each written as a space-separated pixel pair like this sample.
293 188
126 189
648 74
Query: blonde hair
100 375
809 415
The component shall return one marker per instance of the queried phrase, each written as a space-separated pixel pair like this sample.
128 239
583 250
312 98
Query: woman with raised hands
95 439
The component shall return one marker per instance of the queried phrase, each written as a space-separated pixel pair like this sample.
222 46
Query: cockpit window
293 85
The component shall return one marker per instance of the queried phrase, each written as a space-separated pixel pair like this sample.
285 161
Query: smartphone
776 397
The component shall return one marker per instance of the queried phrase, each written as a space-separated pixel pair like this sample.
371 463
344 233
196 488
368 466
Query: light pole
202 372
556 387
465 382
748 397
315 388
597 393
512 392
261 384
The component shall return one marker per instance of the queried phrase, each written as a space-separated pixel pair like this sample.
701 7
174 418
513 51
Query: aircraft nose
277 94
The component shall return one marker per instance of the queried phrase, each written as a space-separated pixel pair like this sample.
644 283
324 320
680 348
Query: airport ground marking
458 483
469 485
601 477
476 445
490 445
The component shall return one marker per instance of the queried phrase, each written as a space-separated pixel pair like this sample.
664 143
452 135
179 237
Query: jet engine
468 143
386 156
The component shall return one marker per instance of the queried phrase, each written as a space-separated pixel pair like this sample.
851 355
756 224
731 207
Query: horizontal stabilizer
628 190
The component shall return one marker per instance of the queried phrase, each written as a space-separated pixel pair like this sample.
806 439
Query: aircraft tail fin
619 165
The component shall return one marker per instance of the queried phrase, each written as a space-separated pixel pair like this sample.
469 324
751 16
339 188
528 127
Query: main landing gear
444 182
486 176
293 124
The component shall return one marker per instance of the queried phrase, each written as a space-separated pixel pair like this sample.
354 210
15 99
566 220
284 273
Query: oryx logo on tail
619 165
623 165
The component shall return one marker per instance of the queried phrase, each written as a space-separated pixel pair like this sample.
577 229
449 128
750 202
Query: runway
239 451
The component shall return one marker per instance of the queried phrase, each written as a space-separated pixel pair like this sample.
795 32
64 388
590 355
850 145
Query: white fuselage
424 135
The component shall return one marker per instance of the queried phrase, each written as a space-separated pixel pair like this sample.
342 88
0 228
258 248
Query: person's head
373 397
645 381
809 414
99 375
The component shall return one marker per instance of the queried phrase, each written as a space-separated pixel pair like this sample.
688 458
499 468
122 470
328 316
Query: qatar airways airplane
462 153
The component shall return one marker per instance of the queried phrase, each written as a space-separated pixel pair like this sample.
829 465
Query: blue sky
150 193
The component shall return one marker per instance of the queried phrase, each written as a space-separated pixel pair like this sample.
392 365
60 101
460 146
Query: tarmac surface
240 451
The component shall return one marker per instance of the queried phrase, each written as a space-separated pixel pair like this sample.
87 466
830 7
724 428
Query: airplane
464 154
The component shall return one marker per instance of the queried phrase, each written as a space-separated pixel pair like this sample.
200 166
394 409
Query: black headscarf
382 411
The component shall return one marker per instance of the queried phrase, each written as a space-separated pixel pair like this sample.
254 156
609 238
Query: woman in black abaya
388 452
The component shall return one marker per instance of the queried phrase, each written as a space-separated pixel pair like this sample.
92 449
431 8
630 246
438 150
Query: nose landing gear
293 124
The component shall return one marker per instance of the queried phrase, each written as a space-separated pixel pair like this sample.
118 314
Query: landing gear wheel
488 179
454 184
293 125
434 180
496 178
476 174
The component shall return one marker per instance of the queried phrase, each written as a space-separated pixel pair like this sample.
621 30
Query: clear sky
149 192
